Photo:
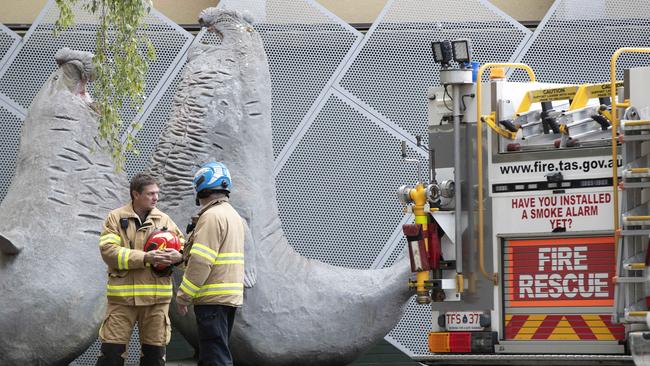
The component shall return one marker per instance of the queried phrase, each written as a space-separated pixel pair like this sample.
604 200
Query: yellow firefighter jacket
214 274
130 280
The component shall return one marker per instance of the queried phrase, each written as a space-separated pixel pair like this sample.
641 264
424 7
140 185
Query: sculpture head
221 22
75 70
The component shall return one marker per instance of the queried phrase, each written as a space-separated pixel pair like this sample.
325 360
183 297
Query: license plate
463 320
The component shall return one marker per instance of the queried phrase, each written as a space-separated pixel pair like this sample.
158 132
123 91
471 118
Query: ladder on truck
632 220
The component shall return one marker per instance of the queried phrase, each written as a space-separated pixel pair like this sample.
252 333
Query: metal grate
36 54
153 122
410 334
576 39
338 162
398 251
10 123
393 70
336 191
389 76
305 45
8 41
89 357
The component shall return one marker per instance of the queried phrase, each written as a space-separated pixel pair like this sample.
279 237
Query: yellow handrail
615 105
479 153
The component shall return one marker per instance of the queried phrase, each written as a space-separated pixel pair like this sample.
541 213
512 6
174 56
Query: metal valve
433 194
403 193
447 189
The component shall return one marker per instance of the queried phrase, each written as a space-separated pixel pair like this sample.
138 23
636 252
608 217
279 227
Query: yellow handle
479 153
643 122
490 121
636 218
615 106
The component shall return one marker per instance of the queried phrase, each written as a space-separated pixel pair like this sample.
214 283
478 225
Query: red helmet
161 240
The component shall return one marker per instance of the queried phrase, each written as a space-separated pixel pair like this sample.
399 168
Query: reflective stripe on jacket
215 269
130 280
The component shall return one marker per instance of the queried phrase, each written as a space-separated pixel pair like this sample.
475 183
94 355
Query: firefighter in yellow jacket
214 276
135 291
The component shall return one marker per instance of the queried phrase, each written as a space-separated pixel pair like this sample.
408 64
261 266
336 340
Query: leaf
120 65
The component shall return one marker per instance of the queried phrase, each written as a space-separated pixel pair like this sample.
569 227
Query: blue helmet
212 176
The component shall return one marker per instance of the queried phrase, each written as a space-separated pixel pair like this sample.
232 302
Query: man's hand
158 257
182 308
175 256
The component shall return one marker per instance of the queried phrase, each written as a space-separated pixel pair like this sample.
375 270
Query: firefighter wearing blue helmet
214 277
212 176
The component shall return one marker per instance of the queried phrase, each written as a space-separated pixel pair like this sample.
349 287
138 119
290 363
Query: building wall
358 11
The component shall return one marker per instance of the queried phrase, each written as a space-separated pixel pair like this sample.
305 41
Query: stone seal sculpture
52 278
297 311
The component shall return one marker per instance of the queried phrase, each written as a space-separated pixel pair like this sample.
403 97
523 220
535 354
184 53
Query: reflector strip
109 239
204 251
123 258
588 327
139 290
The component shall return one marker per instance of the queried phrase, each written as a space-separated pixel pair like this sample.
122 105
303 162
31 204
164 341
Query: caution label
547 95
601 90
556 272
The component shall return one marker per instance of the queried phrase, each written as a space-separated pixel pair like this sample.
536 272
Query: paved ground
181 363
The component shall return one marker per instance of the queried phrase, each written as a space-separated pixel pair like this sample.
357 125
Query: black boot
111 355
152 355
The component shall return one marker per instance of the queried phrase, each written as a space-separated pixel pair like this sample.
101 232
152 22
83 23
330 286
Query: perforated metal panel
388 77
89 358
395 252
8 41
393 70
340 107
410 334
305 44
36 54
10 124
11 119
153 122
337 189
576 39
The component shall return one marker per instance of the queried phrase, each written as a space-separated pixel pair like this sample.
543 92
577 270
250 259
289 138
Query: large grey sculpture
297 311
52 278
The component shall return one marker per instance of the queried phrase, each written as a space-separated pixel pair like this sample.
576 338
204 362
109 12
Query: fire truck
532 222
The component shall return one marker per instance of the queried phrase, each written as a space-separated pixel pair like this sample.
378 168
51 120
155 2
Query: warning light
462 342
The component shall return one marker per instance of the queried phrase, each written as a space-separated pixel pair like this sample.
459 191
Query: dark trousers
214 323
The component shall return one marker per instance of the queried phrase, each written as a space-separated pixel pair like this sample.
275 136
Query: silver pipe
581 121
432 164
455 90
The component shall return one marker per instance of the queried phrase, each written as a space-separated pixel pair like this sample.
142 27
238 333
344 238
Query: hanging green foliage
121 62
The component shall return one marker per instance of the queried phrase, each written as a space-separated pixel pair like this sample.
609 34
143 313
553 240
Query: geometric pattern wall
387 80
10 122
338 186
392 72
8 41
33 60
10 118
39 46
341 105
342 102
305 44
577 38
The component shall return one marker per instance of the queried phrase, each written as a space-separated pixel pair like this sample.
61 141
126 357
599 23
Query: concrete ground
189 362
